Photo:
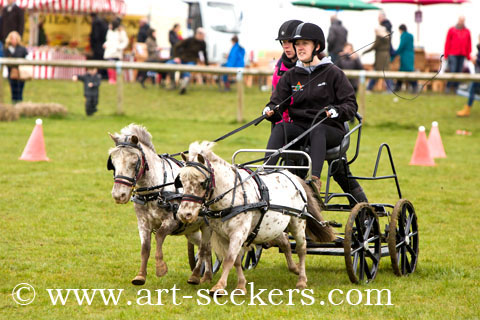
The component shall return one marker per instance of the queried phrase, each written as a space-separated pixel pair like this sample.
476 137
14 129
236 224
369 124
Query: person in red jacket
458 46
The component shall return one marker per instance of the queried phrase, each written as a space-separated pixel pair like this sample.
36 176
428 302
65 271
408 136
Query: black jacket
143 33
94 80
12 20
187 50
98 35
326 86
337 37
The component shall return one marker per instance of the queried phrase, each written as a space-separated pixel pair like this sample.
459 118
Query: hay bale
8 113
30 109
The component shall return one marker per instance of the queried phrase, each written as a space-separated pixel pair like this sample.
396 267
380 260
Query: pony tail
314 230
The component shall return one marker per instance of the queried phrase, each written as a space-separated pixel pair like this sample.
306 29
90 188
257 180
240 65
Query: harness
140 167
157 193
263 205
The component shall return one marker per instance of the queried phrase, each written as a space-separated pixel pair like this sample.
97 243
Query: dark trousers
455 64
91 103
413 85
16 87
323 137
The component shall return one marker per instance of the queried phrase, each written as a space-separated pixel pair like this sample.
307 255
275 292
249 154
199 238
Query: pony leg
284 245
162 232
297 228
235 244
145 238
204 259
241 282
206 254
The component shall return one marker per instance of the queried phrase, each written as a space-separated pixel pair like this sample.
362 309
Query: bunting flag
72 6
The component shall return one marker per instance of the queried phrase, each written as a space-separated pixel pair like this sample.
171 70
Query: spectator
407 56
236 59
474 87
116 42
152 49
350 61
337 37
14 49
174 37
382 55
91 82
383 21
12 20
190 51
98 36
42 36
458 46
143 30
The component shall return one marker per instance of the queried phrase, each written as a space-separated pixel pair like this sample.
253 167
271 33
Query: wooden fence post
118 66
361 95
2 100
240 94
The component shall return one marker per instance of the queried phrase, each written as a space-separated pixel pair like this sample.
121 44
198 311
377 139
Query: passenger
289 56
328 90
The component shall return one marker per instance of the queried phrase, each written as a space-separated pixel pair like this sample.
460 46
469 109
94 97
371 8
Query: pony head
127 160
197 180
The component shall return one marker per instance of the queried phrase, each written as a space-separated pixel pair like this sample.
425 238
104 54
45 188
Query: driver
317 85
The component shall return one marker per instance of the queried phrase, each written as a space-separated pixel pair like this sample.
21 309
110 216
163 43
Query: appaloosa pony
150 177
243 207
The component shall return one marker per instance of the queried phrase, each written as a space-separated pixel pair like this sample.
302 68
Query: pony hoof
295 270
243 289
161 270
193 280
139 281
301 285
206 278
219 292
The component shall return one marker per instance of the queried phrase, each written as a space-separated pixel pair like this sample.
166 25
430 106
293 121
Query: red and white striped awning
72 6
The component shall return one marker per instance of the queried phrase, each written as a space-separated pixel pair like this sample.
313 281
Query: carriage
363 242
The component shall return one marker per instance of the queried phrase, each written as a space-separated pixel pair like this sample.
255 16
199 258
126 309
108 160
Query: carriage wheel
362 244
193 258
252 257
403 238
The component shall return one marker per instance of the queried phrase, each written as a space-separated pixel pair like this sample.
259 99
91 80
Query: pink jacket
280 69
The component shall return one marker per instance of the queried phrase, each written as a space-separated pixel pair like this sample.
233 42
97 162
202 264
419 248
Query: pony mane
190 173
140 131
204 148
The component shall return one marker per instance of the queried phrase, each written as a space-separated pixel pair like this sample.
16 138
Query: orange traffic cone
421 154
435 142
35 148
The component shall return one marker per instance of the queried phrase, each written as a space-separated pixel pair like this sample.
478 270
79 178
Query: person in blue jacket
407 56
236 59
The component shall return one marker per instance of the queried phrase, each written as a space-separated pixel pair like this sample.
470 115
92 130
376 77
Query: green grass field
60 227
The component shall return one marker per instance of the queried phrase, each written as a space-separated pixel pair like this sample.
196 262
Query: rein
257 121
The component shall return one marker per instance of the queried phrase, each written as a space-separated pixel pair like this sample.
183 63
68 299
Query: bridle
208 184
140 167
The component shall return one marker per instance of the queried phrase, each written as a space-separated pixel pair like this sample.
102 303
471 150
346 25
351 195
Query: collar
287 62
310 69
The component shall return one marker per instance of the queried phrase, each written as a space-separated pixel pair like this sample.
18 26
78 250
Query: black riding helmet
310 31
287 29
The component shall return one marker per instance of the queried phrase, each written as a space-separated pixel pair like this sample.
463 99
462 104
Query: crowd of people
108 40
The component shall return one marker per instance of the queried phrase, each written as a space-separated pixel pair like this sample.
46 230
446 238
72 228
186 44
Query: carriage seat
341 149
332 154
